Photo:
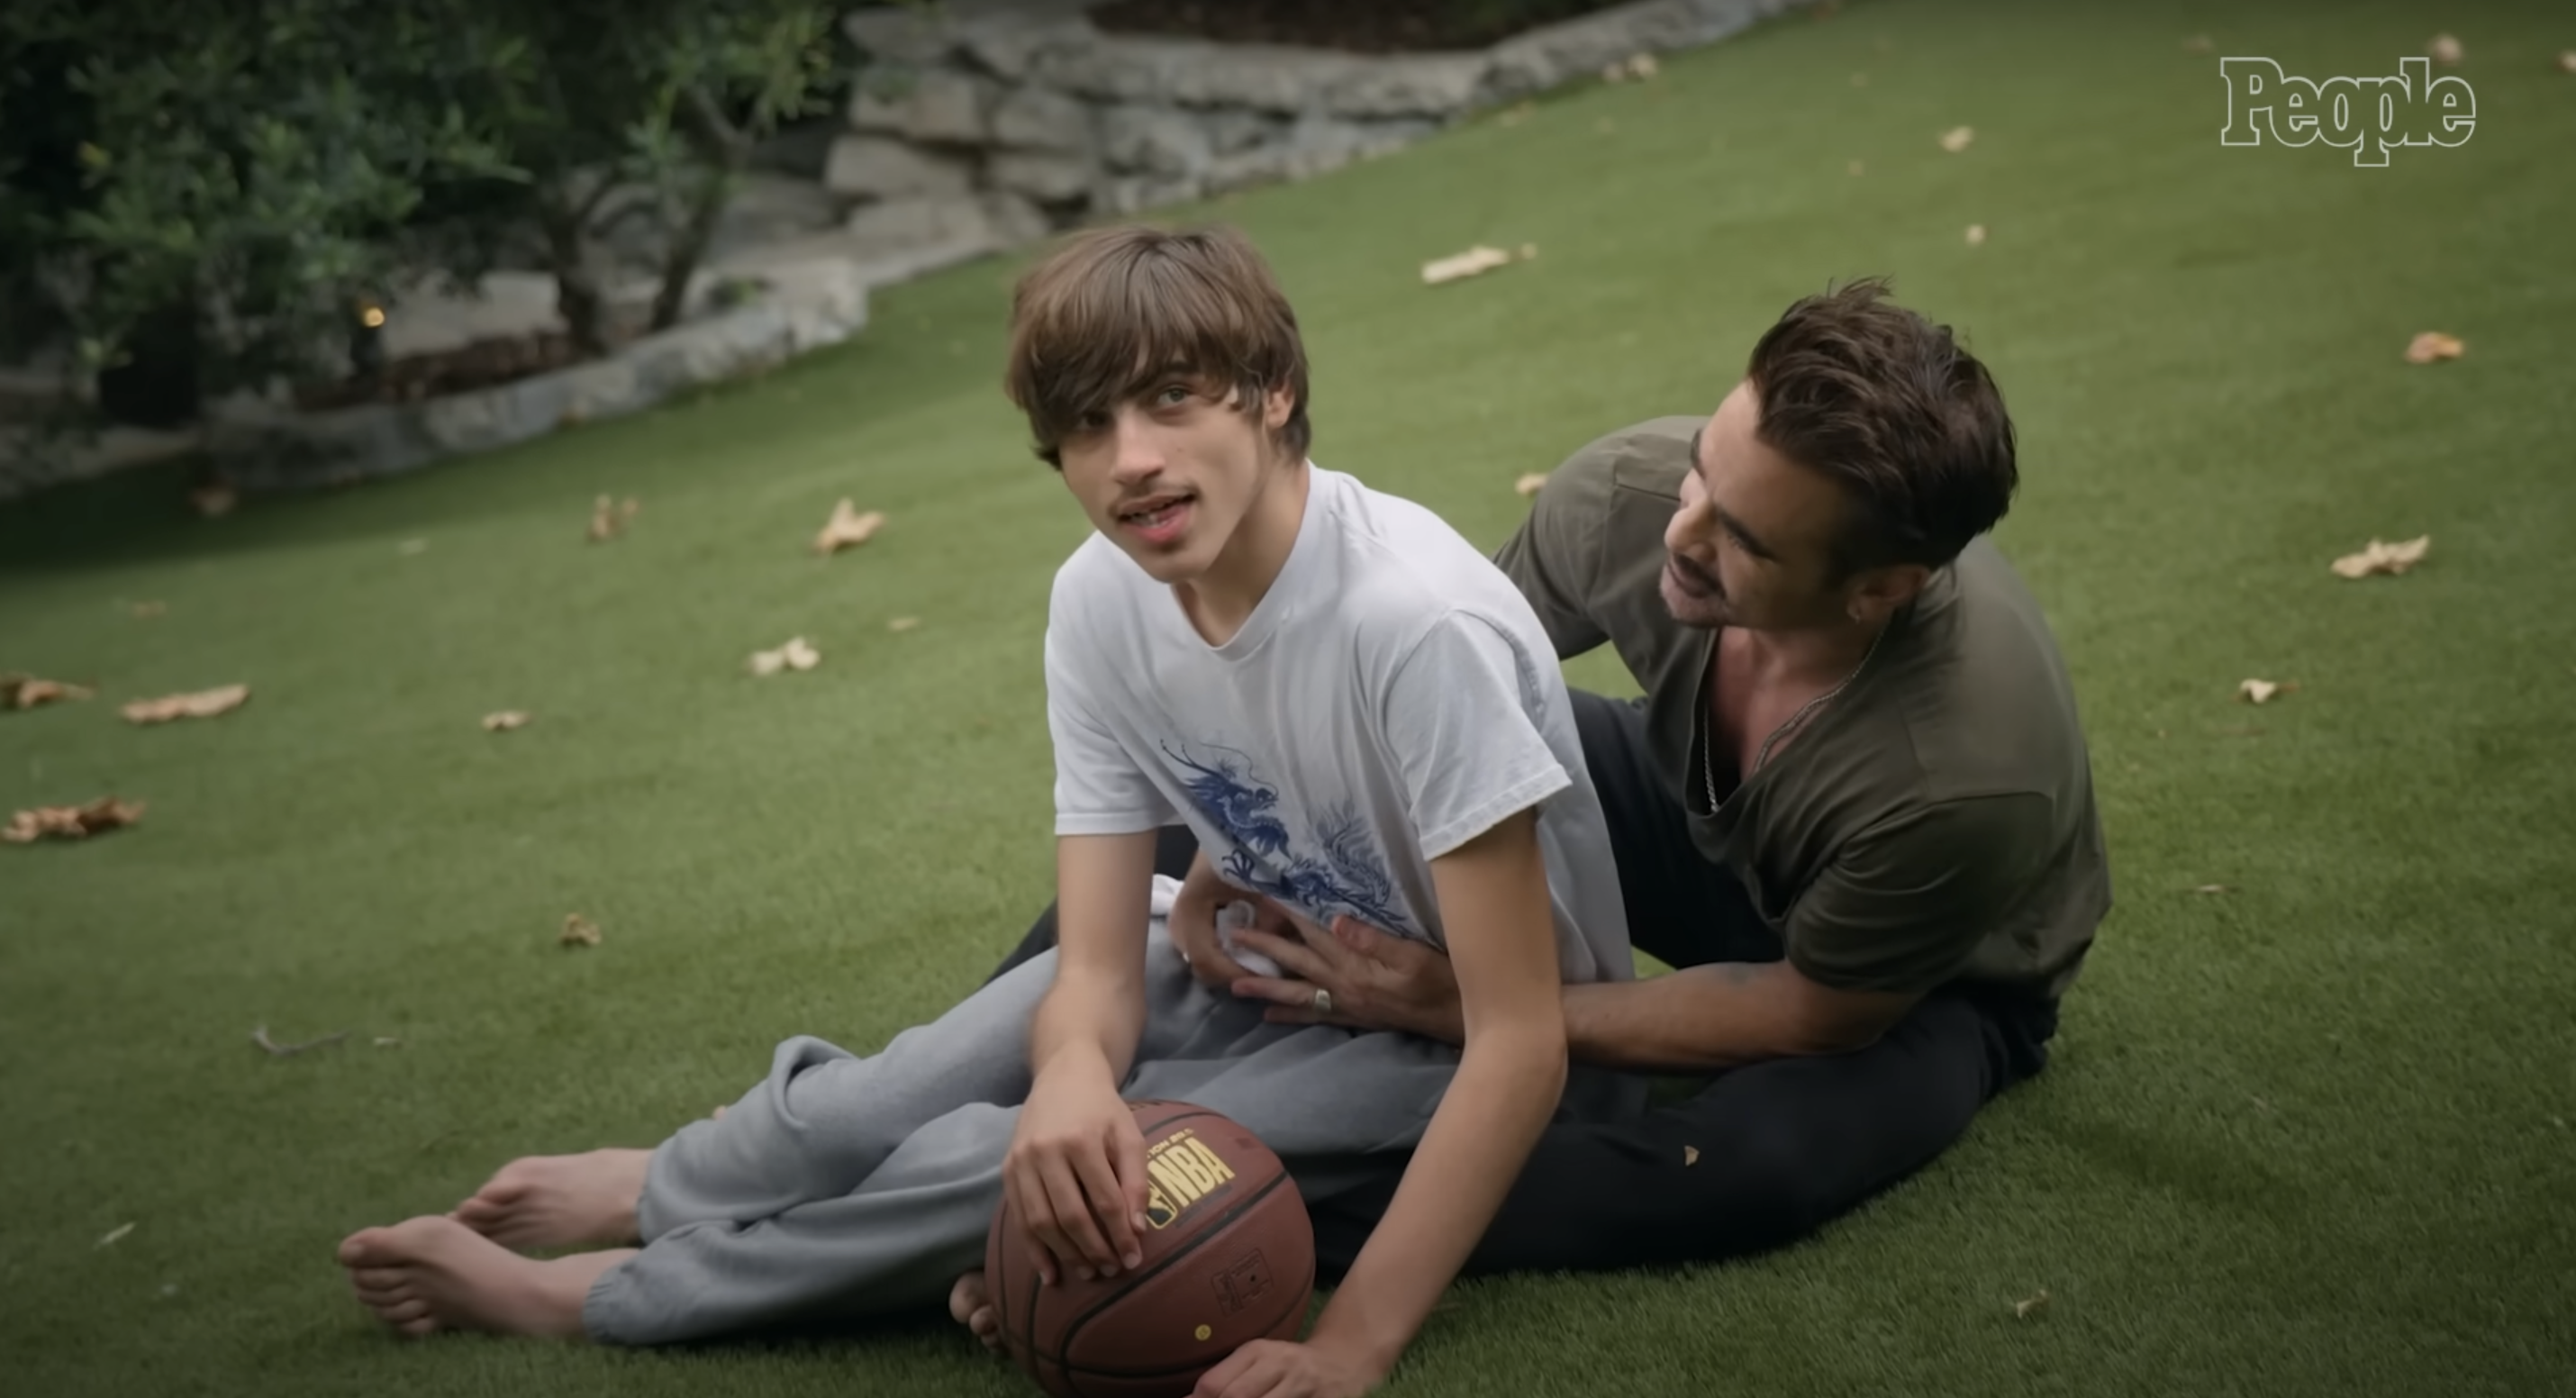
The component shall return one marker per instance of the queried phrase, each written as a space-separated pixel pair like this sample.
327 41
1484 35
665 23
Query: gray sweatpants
844 1186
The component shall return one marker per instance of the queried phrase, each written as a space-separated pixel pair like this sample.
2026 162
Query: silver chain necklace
1708 745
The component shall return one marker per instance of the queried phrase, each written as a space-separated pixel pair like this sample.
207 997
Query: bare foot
429 1274
972 1307
560 1201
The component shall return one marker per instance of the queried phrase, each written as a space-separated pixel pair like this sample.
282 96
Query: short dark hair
1111 314
1890 407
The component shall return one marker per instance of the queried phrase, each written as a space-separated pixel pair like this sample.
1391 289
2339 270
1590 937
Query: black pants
1760 1156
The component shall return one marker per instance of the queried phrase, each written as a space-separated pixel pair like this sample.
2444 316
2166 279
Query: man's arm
1700 1020
1553 557
1898 912
1706 1019
1507 1085
1561 559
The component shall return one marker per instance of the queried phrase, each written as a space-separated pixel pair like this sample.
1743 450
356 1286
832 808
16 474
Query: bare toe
966 1297
559 1201
970 1303
433 1273
365 1248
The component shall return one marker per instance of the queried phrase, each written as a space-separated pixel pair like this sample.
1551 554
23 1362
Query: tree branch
729 138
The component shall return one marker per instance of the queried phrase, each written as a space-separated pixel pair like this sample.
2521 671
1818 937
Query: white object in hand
1235 918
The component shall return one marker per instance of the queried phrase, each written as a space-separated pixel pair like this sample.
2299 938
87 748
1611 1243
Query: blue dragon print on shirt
1237 801
1346 877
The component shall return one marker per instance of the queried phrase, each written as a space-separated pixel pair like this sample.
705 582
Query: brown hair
1891 408
1115 313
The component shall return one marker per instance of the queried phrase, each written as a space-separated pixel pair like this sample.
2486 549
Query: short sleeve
1460 726
1100 788
1555 556
1904 905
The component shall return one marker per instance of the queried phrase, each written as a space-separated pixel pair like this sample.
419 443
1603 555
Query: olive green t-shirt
1934 822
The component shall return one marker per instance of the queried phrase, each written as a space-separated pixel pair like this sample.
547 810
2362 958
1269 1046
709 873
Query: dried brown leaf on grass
2379 557
26 691
903 623
608 519
1976 235
2261 691
795 655
1530 484
504 721
214 501
2199 43
578 931
2434 345
205 703
144 611
1474 262
2445 50
2026 1308
1958 138
1641 67
71 822
275 1049
847 528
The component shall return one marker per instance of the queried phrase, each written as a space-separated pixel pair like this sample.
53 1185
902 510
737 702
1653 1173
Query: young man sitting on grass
1358 718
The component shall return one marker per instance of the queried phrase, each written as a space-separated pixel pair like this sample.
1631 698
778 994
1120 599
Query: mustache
1699 577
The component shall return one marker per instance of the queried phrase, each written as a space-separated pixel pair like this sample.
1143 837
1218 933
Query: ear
1875 594
1277 403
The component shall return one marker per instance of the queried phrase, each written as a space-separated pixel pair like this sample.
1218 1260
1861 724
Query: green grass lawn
2311 1134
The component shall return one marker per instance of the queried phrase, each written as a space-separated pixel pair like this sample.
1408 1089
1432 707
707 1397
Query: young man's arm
1507 1086
1076 1171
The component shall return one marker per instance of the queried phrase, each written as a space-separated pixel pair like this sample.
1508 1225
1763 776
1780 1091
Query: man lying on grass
1355 714
1854 807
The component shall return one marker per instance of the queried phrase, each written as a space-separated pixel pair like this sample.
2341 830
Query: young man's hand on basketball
1076 1173
1278 1369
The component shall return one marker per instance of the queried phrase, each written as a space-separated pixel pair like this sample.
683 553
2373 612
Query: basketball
1229 1257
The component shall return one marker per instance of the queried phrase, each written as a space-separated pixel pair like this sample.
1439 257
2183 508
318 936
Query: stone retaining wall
1059 122
263 449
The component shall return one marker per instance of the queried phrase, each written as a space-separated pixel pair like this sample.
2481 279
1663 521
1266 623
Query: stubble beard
1699 611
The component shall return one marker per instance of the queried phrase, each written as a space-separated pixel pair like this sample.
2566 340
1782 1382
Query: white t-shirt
1392 697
